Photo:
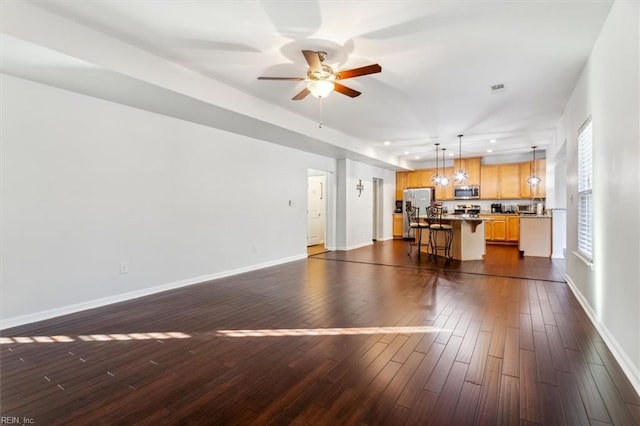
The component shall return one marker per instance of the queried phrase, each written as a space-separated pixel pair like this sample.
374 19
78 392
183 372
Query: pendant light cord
437 169
534 160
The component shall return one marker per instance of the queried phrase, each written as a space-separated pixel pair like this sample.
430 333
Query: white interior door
316 210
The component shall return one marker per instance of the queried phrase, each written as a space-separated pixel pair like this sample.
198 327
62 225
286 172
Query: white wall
356 216
608 92
88 184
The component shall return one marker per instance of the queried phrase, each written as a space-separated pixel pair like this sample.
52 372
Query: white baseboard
385 239
356 246
629 369
70 309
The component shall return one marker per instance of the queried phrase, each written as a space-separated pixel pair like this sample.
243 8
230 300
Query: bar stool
440 234
413 214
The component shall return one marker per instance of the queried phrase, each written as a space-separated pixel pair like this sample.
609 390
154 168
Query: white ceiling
439 60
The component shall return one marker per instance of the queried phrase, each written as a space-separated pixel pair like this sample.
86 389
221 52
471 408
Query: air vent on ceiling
497 88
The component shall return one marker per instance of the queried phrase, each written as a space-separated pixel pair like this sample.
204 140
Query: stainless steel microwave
466 192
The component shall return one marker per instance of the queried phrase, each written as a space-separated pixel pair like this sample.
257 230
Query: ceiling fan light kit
320 88
322 79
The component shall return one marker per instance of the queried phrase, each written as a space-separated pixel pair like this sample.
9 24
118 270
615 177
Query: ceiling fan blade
301 95
346 90
357 72
313 59
281 78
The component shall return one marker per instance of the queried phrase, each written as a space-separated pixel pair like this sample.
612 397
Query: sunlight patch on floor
329 331
343 331
95 337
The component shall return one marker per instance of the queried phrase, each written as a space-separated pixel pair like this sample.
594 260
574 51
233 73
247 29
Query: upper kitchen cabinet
445 193
489 186
401 183
500 181
525 172
425 177
540 191
509 178
413 179
471 166
541 172
496 181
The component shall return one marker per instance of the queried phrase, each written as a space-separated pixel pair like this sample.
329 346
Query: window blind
585 191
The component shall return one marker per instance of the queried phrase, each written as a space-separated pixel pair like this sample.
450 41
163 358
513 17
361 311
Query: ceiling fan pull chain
321 118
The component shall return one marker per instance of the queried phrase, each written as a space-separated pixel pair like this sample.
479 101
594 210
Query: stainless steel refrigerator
419 197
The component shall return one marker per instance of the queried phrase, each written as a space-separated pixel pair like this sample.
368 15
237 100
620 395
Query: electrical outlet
254 248
124 267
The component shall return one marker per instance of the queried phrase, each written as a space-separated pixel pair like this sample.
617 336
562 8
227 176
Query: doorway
316 212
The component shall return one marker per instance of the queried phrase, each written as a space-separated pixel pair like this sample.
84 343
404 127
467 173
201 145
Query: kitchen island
468 237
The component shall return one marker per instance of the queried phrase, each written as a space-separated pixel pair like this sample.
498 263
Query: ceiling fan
322 80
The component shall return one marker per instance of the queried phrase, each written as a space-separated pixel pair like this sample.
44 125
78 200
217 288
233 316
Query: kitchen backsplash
485 205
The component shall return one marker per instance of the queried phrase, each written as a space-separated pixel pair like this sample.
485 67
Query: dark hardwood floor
369 336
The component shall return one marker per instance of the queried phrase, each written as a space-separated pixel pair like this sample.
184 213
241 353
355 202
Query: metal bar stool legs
440 243
436 227
413 216
417 230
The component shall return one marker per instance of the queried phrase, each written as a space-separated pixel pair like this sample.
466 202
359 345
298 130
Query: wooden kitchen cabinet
489 184
488 230
496 181
513 228
526 170
541 172
445 193
397 225
500 181
413 179
425 177
499 228
449 193
525 188
502 228
509 178
472 167
495 229
401 184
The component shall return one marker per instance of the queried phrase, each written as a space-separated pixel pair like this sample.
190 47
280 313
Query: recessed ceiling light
489 150
387 143
406 153
451 154
492 141
417 157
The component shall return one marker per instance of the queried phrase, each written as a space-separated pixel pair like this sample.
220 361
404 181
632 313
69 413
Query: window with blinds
585 191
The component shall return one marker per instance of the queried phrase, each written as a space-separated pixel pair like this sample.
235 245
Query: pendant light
444 180
534 180
461 175
436 177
